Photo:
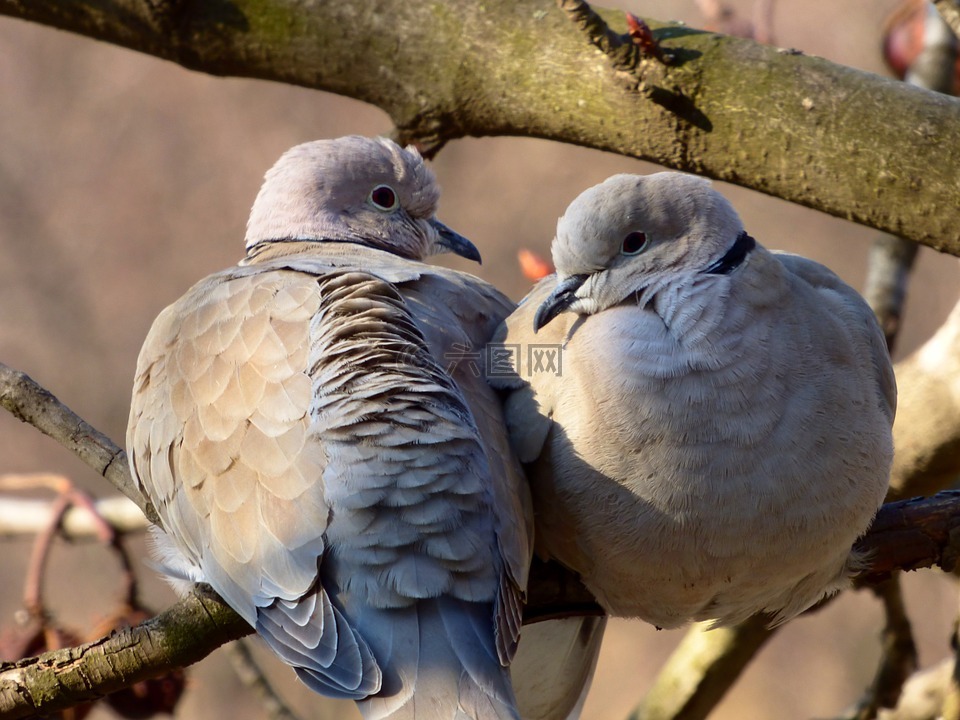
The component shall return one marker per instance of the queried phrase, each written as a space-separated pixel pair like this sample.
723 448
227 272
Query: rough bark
849 143
182 635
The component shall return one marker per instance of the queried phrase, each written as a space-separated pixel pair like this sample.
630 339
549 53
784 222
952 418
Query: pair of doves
718 437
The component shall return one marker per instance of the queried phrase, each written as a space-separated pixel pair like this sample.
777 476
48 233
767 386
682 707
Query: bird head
355 189
631 235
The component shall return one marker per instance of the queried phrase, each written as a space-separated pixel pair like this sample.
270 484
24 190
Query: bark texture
849 143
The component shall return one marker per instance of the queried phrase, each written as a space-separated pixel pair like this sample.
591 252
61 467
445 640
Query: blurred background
125 179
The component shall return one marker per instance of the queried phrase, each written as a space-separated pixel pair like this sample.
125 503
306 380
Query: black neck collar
734 257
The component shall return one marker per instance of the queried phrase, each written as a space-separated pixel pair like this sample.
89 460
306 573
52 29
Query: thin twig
722 18
33 584
129 575
763 21
31 403
888 272
898 660
251 675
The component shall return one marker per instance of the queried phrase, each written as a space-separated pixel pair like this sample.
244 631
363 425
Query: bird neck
692 308
734 257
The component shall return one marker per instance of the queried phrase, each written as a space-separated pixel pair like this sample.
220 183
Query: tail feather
440 662
314 637
468 629
554 666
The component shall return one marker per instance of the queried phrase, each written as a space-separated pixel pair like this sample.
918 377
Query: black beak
455 242
560 299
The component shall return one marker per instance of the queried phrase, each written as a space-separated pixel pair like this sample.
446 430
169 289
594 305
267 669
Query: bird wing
458 313
264 380
846 301
223 442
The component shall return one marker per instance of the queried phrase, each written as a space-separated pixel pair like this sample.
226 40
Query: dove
706 423
315 430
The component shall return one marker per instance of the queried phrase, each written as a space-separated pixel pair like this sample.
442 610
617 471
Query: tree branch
911 534
623 55
701 670
250 674
27 517
898 657
182 635
800 128
926 432
908 535
30 403
950 12
888 274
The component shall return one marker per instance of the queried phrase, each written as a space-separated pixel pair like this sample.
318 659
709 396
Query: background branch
888 273
252 676
701 670
19 516
726 108
950 12
927 428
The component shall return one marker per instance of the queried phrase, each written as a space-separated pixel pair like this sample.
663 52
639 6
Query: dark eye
634 243
383 198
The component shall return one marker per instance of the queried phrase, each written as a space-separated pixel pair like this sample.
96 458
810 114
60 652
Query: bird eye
384 198
634 243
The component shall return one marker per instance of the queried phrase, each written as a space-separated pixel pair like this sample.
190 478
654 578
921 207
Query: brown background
124 179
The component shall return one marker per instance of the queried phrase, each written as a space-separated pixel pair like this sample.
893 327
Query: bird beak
562 297
455 242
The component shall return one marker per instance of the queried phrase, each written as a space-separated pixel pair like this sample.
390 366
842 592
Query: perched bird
316 433
708 423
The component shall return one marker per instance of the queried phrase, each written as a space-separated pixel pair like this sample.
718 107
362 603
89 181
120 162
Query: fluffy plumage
720 431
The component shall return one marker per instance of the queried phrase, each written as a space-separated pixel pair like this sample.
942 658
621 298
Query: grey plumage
323 451
720 430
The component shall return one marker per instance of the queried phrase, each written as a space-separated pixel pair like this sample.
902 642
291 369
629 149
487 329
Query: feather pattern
318 454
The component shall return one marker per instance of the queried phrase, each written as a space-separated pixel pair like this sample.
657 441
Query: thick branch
182 635
912 534
846 142
927 429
